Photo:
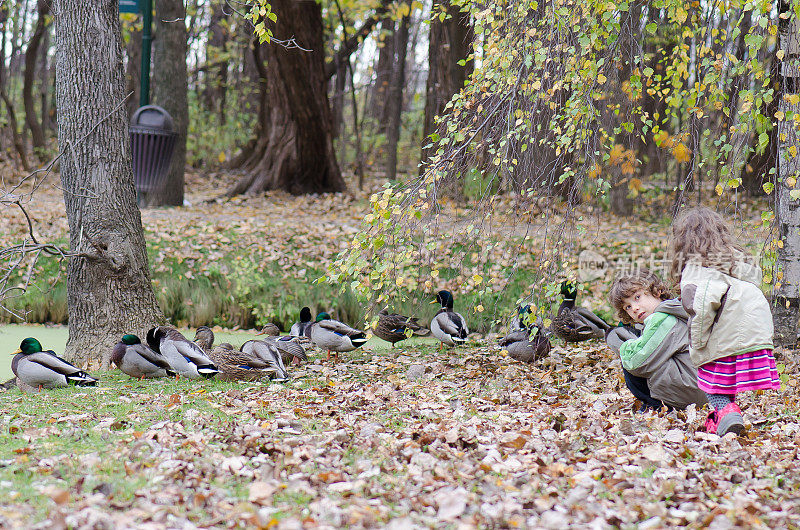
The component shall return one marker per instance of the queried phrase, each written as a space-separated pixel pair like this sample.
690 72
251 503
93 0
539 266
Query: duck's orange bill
19 350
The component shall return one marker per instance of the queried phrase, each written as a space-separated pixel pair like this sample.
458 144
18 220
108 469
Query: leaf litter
411 438
476 440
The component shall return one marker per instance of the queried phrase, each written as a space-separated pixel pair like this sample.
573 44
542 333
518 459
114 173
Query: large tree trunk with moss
786 298
450 41
169 91
108 279
294 151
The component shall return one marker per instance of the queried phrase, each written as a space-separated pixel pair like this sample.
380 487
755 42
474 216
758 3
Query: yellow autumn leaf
221 157
779 54
681 153
634 184
601 79
718 189
780 115
793 151
791 181
793 99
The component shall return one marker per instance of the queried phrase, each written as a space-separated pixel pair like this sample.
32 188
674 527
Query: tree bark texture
383 75
133 70
216 77
108 281
295 145
169 86
395 100
450 41
786 295
31 56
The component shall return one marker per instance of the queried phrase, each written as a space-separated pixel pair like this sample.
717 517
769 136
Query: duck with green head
37 368
576 324
334 336
138 360
526 342
447 325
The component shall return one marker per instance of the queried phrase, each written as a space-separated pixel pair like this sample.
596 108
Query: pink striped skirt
754 370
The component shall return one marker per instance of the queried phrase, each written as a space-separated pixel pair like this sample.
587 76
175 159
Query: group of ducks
166 352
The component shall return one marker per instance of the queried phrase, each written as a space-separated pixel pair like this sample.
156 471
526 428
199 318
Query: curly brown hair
701 234
627 285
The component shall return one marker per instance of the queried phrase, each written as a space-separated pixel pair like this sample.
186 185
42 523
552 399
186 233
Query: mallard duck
204 338
299 328
576 324
292 351
447 325
265 352
393 327
37 368
185 357
137 360
520 344
238 365
334 336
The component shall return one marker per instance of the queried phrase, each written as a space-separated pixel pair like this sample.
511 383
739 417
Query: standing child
730 323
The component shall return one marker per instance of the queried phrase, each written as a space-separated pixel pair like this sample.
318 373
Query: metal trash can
152 144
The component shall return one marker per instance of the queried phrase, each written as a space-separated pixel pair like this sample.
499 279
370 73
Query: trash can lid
153 116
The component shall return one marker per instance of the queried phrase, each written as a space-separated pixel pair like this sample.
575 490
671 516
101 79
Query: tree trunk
19 145
170 92
44 82
337 103
295 151
216 76
31 55
133 70
383 75
108 280
395 100
450 41
786 295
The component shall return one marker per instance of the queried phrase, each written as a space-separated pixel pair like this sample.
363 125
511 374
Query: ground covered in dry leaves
408 438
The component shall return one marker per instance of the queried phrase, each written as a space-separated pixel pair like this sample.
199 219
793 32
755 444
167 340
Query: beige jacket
728 314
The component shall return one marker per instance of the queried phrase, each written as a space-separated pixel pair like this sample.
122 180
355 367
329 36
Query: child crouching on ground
656 365
730 320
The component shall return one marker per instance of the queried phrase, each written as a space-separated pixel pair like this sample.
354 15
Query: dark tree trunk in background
169 87
108 291
216 76
379 110
44 81
294 151
337 101
19 145
133 70
395 99
31 55
623 170
450 41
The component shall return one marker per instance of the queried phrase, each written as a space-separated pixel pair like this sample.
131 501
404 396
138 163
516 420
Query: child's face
640 305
